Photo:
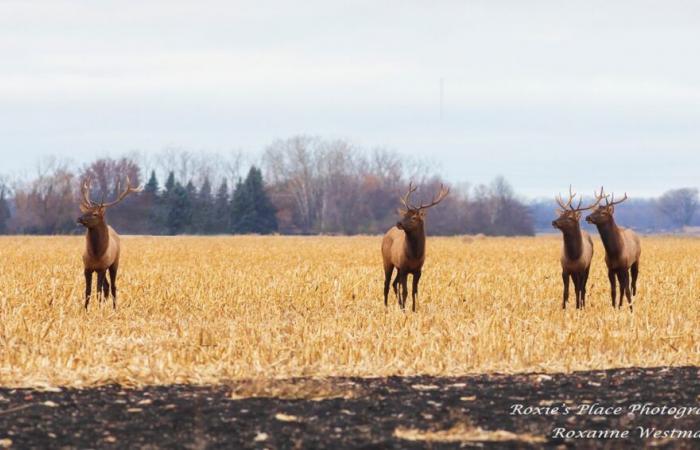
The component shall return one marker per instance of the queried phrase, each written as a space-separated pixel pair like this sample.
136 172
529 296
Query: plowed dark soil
395 412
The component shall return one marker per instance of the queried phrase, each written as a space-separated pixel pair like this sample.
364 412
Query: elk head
569 215
93 212
604 213
412 217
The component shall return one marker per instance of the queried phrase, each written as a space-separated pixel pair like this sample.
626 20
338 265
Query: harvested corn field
206 310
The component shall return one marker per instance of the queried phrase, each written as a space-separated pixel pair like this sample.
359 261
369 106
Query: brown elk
102 243
622 248
403 247
577 249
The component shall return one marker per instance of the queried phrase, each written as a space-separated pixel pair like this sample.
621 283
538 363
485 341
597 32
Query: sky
545 93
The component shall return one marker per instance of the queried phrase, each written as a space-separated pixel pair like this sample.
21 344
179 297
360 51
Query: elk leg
621 276
414 293
395 285
100 284
398 287
583 287
576 279
88 287
565 278
105 287
387 283
626 277
404 289
635 273
611 277
113 276
579 289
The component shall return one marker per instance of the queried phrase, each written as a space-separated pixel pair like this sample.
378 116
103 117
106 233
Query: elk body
577 249
622 248
101 244
403 248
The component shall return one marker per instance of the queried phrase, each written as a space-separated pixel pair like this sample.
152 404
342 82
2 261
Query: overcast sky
545 93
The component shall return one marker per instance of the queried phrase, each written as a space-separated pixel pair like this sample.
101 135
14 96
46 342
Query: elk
403 247
622 247
577 249
102 242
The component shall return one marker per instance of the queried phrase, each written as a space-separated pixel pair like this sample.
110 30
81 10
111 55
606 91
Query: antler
601 196
404 199
613 202
129 190
610 202
578 207
440 197
572 195
85 190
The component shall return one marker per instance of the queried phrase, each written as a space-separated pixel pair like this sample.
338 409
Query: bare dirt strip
394 412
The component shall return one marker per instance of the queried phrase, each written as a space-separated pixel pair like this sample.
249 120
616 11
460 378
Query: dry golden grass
207 310
464 433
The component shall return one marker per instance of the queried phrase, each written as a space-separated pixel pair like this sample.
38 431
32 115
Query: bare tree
293 165
4 208
108 176
679 205
46 204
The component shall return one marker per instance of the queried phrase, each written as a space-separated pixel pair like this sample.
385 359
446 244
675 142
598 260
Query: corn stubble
207 310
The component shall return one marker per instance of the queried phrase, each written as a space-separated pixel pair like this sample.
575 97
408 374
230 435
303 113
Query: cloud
540 79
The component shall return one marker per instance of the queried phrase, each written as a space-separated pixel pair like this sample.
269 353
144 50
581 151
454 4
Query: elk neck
415 242
573 243
98 240
610 235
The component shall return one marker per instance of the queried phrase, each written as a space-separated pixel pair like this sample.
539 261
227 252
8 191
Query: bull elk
577 249
403 247
102 243
622 247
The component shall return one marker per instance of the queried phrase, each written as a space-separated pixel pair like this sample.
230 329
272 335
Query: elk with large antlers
403 247
577 250
622 247
102 243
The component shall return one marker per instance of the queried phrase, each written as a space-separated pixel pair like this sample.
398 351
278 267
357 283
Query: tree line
299 185
673 211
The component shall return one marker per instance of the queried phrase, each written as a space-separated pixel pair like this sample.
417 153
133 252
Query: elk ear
101 210
84 209
399 225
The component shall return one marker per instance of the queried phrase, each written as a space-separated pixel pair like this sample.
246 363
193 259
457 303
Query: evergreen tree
152 185
251 209
170 182
192 198
4 212
241 207
180 210
204 216
221 212
152 202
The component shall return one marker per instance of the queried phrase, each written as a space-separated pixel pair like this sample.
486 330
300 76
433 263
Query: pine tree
204 217
153 204
192 199
170 182
241 209
180 211
4 212
152 185
251 209
221 213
